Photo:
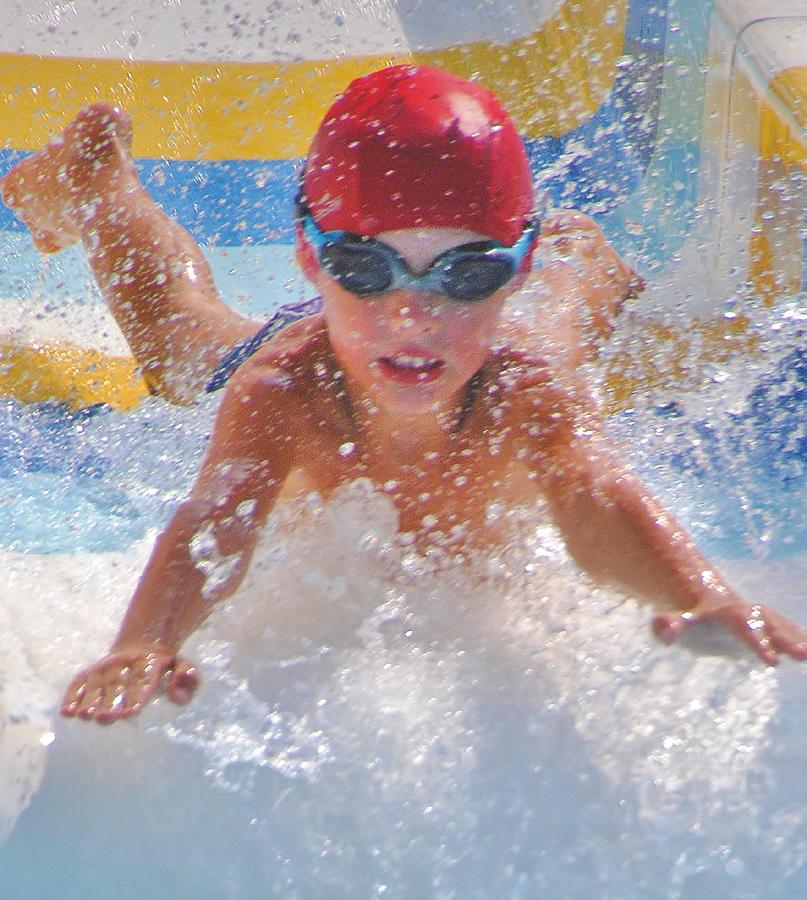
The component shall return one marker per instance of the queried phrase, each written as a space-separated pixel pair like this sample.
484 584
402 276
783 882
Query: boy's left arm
619 533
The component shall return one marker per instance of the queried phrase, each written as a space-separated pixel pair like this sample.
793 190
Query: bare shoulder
540 391
292 348
275 399
283 367
263 390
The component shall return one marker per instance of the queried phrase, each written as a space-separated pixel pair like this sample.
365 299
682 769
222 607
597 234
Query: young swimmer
414 225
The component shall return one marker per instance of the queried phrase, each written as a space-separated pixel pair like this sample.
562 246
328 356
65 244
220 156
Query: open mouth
410 368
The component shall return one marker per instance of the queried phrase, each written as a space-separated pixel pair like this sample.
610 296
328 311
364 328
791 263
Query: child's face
412 352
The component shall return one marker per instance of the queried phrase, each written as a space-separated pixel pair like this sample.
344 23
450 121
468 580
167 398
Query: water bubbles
246 509
347 449
735 867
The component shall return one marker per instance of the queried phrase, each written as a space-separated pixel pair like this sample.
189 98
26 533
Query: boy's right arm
200 558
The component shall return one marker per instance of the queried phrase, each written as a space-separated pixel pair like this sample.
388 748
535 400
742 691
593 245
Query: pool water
370 726
93 480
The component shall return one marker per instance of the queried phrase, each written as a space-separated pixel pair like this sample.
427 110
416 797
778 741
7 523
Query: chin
415 401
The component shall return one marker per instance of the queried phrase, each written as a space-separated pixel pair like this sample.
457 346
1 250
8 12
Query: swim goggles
366 266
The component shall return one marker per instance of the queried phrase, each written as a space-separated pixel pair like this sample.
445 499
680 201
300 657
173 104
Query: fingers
119 688
672 627
751 628
182 683
785 635
74 696
767 633
85 699
669 627
108 693
636 284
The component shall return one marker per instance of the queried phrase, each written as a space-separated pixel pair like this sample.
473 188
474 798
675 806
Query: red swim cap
410 146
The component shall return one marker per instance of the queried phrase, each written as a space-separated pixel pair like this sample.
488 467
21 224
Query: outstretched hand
119 685
767 632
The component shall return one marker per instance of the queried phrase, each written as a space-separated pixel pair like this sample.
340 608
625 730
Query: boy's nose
415 311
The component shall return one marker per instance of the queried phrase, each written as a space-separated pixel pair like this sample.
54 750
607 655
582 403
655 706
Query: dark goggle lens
364 268
474 278
358 269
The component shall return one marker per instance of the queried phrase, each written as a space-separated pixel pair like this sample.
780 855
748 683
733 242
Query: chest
457 493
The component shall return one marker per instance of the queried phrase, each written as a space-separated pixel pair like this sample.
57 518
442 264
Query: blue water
734 463
90 480
409 750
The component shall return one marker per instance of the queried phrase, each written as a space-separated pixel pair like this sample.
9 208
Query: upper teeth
412 362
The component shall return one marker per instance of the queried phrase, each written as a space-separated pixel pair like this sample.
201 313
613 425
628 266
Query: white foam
420 682
57 613
61 322
400 713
